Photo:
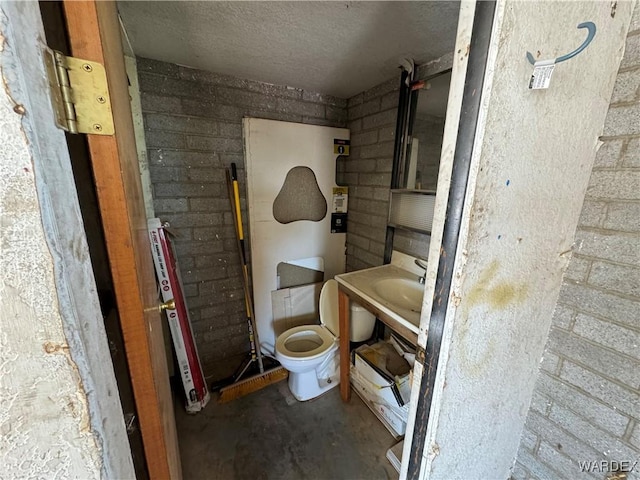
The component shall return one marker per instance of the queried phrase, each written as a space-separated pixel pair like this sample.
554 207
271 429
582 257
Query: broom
241 387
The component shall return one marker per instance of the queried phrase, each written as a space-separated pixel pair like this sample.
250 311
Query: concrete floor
270 435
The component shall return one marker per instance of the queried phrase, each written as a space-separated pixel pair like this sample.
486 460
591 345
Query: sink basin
401 293
392 291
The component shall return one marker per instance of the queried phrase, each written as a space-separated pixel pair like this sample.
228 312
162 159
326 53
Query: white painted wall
531 164
60 415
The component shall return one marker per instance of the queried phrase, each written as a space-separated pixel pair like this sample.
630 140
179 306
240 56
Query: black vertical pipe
481 35
388 244
412 106
401 124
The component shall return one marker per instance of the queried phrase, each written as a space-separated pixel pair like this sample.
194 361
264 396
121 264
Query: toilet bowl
310 352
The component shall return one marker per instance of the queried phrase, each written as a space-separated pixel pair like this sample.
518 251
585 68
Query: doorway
93 34
56 36
173 136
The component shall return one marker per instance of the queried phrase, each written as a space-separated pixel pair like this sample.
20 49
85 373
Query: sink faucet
423 265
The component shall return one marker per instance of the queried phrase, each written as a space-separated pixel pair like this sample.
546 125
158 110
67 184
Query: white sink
393 290
401 292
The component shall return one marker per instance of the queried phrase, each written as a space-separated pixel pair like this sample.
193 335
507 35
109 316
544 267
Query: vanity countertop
390 290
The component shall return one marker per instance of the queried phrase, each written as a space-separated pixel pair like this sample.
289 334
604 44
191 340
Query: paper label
541 77
339 209
340 199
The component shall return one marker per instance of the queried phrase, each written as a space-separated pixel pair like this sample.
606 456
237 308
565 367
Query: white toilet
310 352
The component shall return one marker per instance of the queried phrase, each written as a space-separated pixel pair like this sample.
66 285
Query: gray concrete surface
586 402
61 416
270 435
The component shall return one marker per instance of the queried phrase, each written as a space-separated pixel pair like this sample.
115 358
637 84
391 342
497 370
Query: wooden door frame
94 34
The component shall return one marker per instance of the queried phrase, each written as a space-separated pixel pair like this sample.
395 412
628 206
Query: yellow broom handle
236 195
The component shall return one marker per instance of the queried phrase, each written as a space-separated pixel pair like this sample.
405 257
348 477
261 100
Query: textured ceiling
333 47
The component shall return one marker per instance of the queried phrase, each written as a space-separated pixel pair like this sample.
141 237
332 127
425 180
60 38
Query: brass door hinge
79 94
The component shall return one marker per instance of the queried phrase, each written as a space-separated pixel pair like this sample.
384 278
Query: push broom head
252 384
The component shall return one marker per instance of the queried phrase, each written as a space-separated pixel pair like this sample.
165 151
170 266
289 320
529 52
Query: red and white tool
168 273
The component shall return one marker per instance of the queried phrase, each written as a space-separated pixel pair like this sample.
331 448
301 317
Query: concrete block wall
367 171
586 404
193 132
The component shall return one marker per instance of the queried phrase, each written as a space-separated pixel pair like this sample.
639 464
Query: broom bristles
252 384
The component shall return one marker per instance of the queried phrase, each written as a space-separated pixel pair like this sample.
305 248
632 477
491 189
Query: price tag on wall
541 77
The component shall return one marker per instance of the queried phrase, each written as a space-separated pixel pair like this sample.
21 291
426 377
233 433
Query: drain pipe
481 35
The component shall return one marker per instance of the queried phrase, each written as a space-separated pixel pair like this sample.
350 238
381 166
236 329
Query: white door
275 150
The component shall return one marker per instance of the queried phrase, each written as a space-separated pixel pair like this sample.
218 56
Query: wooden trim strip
94 34
345 334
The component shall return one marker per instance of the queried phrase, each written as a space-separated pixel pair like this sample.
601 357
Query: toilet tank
362 323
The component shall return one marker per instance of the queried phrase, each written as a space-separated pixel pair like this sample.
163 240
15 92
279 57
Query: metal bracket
79 94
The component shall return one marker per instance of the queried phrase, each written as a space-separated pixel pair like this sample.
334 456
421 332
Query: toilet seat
310 352
305 342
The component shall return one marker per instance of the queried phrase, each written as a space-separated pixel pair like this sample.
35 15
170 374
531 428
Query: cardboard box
379 389
382 365
394 418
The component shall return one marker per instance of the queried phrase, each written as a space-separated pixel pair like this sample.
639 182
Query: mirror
422 107
425 130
